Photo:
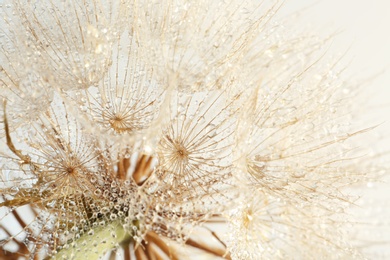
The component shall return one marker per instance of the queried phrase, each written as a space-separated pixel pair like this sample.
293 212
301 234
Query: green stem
95 243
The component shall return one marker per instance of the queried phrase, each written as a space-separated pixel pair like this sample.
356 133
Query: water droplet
201 120
13 190
97 192
211 130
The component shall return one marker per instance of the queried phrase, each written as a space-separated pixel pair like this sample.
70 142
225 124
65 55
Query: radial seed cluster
171 130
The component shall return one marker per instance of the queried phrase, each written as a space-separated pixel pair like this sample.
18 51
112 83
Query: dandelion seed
126 100
73 39
194 152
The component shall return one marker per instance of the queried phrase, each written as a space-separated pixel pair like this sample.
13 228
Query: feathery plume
170 130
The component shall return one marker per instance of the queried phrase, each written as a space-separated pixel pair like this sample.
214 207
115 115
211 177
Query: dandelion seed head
132 129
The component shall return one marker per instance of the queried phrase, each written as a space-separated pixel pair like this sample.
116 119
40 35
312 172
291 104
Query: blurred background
363 25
